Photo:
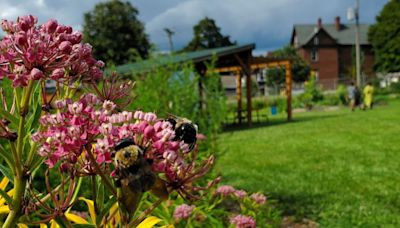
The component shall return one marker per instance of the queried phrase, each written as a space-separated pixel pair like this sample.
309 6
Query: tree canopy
384 36
300 68
116 34
206 34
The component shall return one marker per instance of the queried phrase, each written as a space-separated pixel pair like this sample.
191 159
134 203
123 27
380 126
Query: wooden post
247 71
248 95
288 81
239 95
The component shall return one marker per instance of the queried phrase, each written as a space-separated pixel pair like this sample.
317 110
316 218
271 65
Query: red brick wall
327 65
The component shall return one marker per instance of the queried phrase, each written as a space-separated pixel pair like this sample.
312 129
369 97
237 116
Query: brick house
329 48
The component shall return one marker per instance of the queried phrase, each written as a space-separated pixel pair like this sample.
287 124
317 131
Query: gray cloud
268 23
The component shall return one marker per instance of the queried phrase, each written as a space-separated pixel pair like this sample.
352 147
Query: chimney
319 23
337 23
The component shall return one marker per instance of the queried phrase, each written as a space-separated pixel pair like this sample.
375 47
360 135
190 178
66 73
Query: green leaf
106 209
14 120
6 155
7 172
100 194
6 197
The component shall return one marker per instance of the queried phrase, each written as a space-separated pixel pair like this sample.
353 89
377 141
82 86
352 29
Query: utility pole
358 64
170 33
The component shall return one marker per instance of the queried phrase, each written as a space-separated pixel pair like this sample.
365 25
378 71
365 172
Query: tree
384 36
115 32
207 35
300 68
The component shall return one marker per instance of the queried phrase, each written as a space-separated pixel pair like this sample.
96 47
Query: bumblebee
132 169
185 130
134 176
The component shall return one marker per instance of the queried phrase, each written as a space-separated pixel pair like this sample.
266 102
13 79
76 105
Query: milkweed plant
75 134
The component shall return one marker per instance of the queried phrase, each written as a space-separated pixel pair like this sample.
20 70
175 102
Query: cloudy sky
267 23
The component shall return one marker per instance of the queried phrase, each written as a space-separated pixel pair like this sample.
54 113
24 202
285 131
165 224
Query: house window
316 41
314 55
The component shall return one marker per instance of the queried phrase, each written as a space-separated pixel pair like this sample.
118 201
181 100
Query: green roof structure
195 57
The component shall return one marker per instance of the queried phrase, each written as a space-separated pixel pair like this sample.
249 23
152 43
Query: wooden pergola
249 66
236 58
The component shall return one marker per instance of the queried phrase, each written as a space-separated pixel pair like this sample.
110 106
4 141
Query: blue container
274 110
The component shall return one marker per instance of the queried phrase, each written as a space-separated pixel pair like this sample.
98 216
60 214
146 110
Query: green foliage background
385 38
115 32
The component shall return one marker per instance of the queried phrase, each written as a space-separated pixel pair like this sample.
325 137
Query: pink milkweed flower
240 194
258 198
65 47
75 108
139 115
149 132
51 26
108 107
36 74
150 117
242 221
225 190
183 211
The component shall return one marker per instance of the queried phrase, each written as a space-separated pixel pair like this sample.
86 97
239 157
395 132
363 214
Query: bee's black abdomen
187 133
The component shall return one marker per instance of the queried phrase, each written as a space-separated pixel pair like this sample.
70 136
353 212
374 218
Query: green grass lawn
338 168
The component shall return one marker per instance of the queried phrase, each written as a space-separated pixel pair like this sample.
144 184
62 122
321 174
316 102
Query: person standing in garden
368 95
351 95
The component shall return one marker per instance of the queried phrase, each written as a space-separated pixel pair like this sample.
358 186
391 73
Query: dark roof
345 36
195 57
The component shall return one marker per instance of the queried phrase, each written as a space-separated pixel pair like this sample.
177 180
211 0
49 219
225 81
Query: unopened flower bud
65 47
36 74
149 132
21 39
51 26
57 74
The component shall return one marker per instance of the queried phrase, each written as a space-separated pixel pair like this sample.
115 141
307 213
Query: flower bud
149 132
36 74
65 47
21 39
51 26
57 74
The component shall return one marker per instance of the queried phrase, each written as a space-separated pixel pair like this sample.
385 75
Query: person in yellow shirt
368 95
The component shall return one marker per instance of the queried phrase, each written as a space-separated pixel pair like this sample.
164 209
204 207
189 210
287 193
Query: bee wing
130 199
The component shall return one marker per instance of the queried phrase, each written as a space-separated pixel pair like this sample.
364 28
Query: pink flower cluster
242 221
89 124
258 198
226 190
49 51
183 211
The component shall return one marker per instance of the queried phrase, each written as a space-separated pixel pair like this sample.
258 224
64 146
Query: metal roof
345 36
196 56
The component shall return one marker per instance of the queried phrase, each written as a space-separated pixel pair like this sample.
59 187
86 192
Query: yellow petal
42 225
53 224
75 218
117 217
90 206
10 193
4 210
21 225
3 183
149 222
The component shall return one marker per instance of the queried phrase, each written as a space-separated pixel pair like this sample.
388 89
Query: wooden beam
239 95
246 69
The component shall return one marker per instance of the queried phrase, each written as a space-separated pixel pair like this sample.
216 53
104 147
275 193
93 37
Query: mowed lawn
338 168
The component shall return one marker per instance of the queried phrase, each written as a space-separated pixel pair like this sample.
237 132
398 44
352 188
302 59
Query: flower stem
143 215
13 216
20 177
101 173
